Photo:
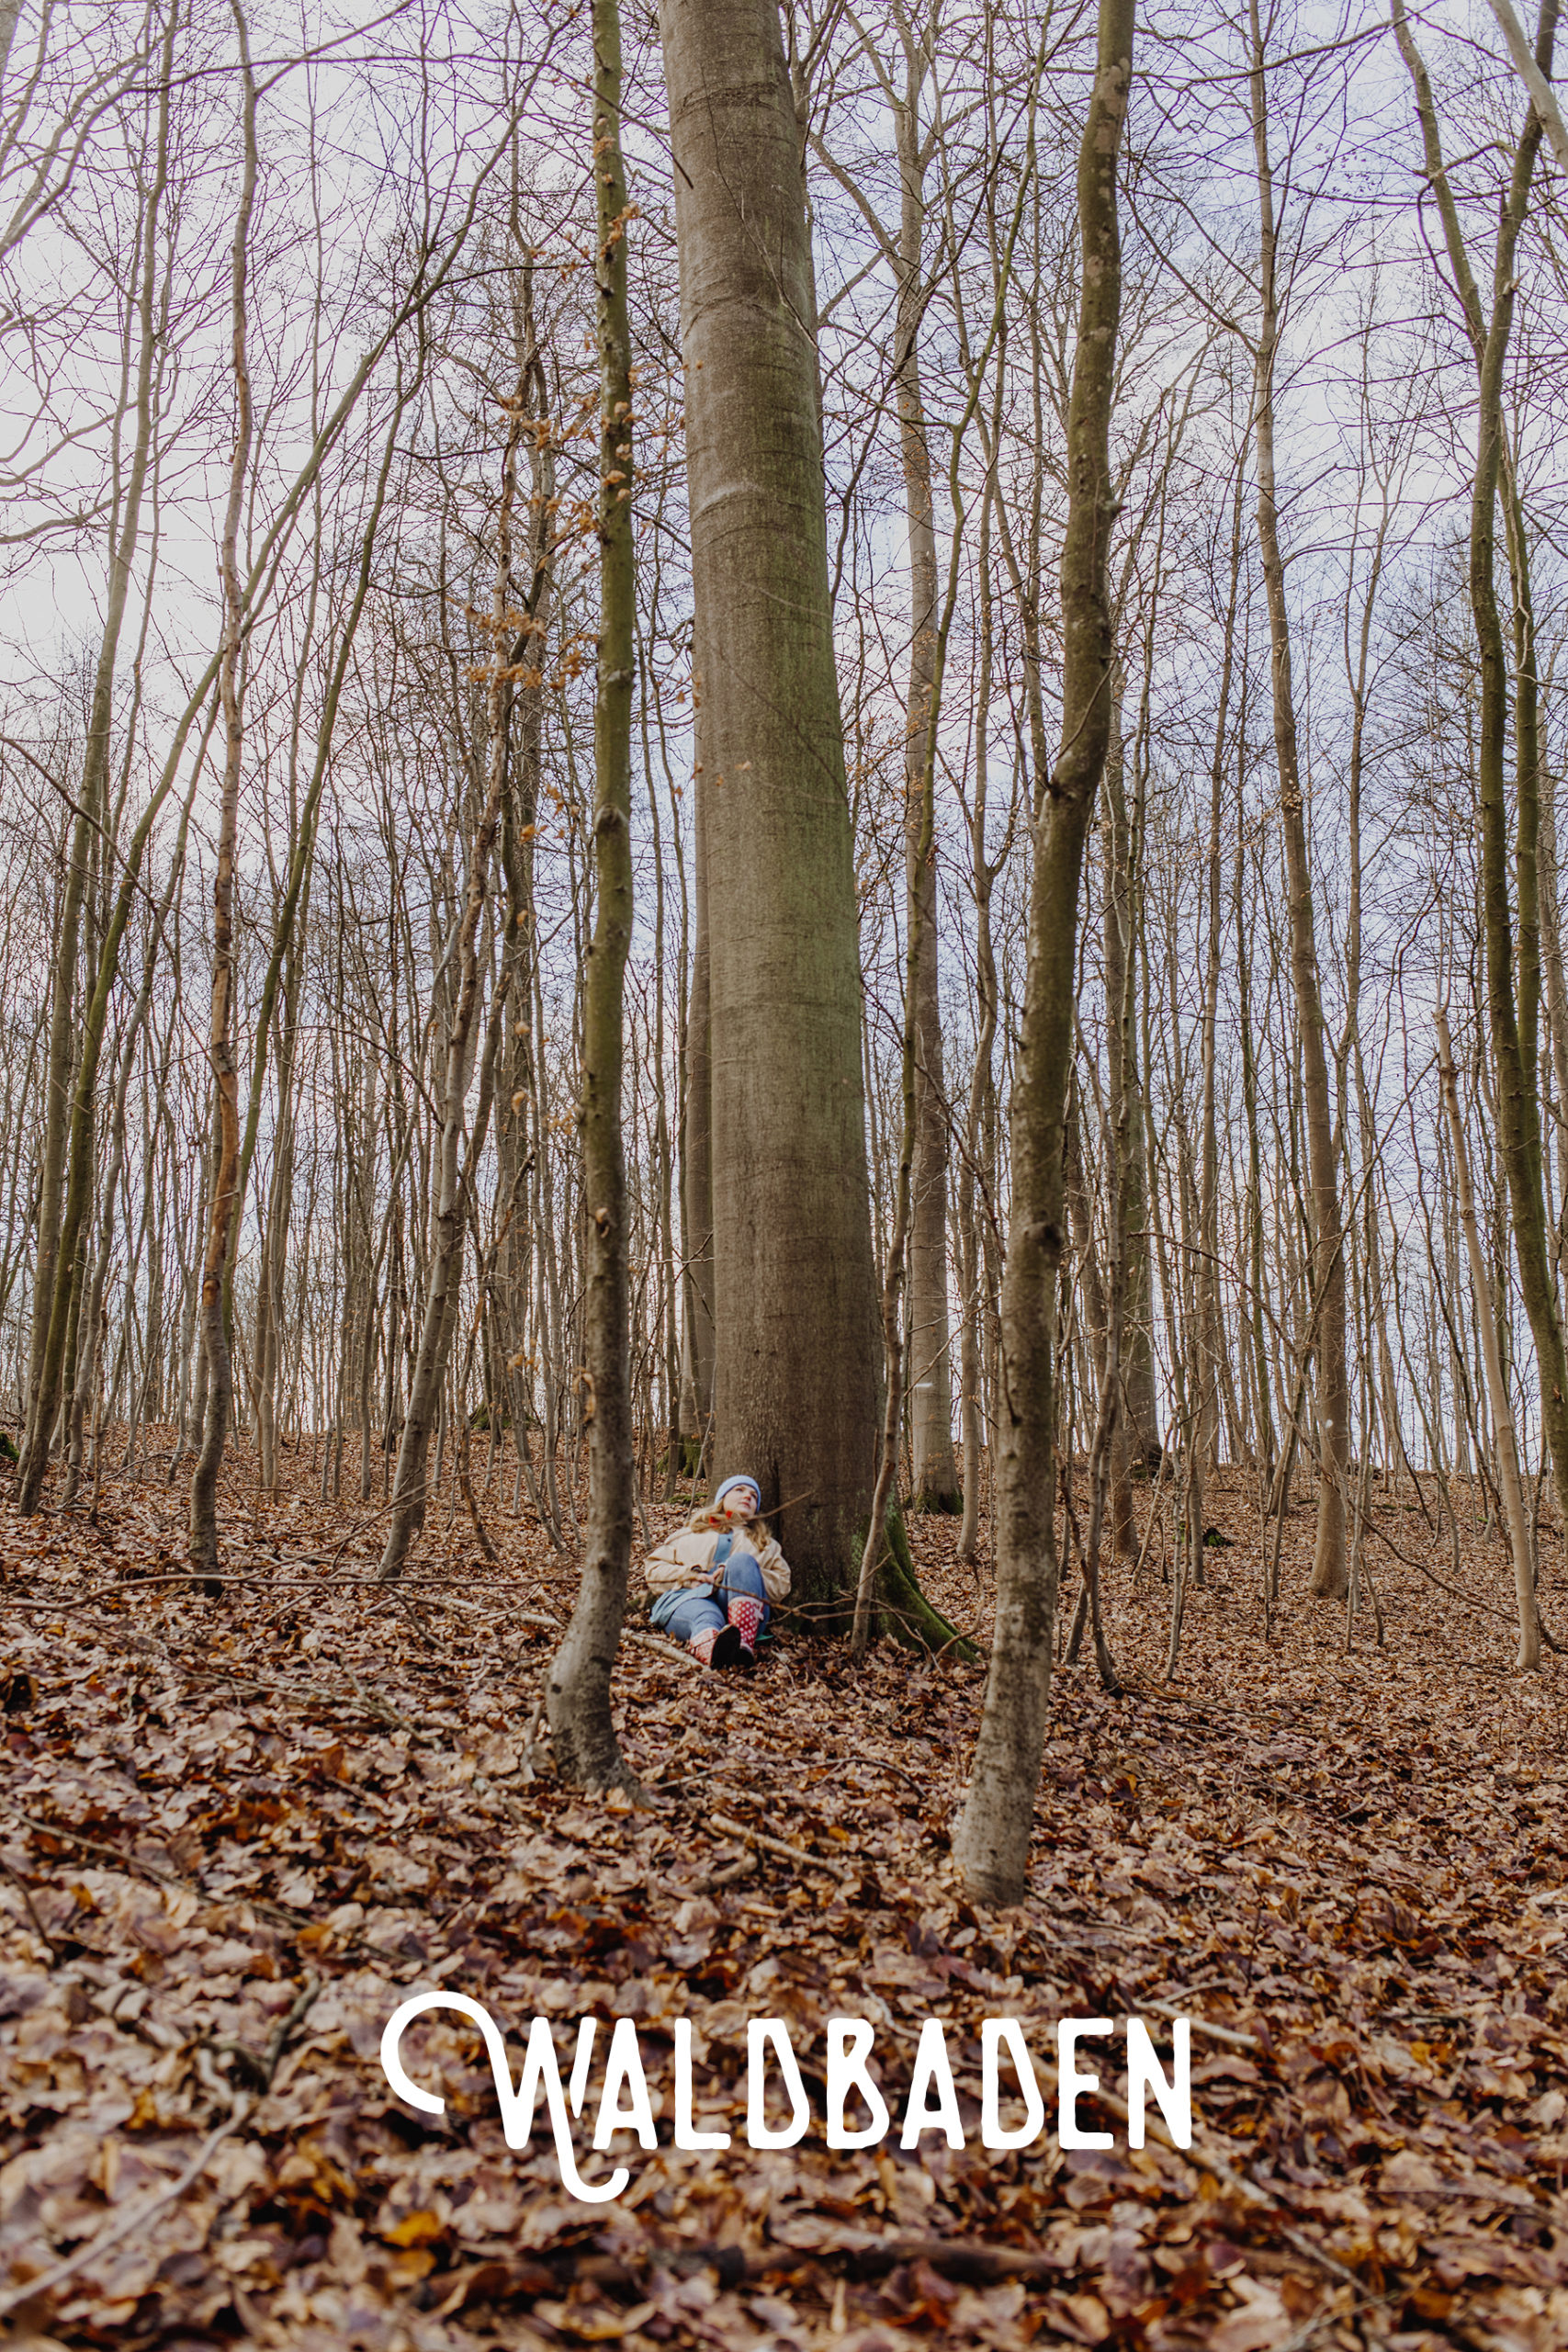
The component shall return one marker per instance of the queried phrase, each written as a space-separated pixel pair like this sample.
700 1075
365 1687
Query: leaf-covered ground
237 1833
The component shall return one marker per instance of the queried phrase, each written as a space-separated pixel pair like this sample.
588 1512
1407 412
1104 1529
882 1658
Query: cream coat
684 1560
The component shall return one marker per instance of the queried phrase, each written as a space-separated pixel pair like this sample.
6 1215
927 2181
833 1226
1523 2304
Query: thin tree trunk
51 1298
220 1038
934 1472
86 1377
991 1840
973 1203
1212 1352
1505 1445
1136 1435
450 1177
1512 1019
1330 1578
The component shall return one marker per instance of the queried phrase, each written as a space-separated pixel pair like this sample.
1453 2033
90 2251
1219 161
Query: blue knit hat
729 1486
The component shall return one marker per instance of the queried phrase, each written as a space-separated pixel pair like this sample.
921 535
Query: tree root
903 1609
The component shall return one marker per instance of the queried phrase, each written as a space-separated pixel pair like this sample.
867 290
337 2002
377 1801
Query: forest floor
236 1833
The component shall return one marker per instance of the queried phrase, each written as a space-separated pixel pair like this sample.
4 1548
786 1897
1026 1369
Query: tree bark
92 1310
583 1736
451 1178
50 1300
1212 1348
1552 962
974 1202
523 709
220 1040
991 1840
934 1480
1513 1018
794 1295
1138 1433
1504 1441
696 1203
1330 1577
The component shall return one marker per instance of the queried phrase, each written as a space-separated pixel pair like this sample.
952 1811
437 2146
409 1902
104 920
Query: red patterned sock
746 1616
718 1645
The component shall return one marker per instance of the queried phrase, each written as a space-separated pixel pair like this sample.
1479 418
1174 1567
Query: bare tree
220 1040
793 1283
1330 1575
52 1296
991 1840
583 1736
1514 976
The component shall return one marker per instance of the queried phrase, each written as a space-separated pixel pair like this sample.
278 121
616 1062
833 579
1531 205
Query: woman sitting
714 1581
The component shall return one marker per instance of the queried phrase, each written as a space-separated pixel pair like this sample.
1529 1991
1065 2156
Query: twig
777 1846
410 1608
730 1876
139 2213
1202 2025
61 1603
135 2217
110 1854
1250 2191
526 1769
963 2254
310 1694
1485 1607
675 1652
133 1866
304 2000
19 1883
477 1608
486 1546
374 1704
878 1764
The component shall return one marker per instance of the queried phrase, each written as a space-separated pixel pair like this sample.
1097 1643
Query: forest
783 1168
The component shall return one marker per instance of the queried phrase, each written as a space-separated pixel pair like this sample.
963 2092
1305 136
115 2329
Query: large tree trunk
583 1736
795 1293
9 11
1330 1577
1551 963
696 1201
991 1840
934 1469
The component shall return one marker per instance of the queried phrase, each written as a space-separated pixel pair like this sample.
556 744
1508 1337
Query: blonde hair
715 1515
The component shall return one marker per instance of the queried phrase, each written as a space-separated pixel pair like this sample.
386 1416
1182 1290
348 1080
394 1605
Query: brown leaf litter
237 1833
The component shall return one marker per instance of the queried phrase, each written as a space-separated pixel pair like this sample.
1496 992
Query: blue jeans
695 1609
